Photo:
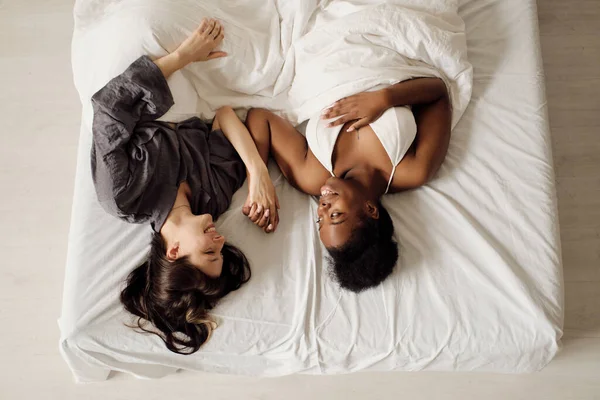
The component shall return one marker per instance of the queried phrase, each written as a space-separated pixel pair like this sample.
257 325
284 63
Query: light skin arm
262 203
199 46
262 200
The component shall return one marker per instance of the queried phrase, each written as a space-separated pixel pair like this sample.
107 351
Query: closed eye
211 252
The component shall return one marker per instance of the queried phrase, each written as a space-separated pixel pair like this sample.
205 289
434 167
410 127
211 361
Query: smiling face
342 207
198 239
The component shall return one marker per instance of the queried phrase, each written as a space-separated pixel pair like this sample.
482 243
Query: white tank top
396 130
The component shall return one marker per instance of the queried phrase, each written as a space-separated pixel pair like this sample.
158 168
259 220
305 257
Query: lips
211 228
326 191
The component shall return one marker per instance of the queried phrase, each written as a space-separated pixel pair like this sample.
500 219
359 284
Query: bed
479 282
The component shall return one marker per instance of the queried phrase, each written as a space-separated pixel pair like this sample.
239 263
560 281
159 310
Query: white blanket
351 49
273 61
258 34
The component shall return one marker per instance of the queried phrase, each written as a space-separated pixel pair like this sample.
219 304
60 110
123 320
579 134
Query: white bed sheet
480 280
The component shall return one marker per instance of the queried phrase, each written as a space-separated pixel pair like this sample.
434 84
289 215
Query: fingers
341 121
273 221
340 107
219 38
246 209
216 31
266 220
358 124
255 212
211 27
337 110
216 54
262 221
203 25
252 211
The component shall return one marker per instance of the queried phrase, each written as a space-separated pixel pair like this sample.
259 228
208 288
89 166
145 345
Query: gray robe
138 162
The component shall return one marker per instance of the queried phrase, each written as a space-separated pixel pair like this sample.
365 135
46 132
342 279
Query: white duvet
480 284
295 57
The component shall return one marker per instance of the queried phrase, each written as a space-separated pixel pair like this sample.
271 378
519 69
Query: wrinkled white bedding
345 48
353 49
480 283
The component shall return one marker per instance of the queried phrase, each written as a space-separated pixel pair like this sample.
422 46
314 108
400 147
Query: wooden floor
39 110
570 33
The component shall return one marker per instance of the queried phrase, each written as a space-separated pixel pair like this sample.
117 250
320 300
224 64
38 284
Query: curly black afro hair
368 257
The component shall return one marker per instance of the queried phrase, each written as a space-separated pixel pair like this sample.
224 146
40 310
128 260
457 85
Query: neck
370 179
181 209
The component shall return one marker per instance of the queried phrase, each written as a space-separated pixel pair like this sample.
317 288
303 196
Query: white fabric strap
387 189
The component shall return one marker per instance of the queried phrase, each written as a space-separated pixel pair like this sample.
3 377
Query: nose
219 240
324 203
219 243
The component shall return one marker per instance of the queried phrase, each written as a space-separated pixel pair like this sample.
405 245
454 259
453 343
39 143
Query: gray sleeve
139 94
126 152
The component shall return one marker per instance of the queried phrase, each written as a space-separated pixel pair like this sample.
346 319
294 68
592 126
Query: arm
414 92
430 147
367 107
197 47
122 173
275 136
141 93
237 133
262 204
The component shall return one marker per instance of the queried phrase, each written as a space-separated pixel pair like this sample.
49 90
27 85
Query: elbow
421 178
225 110
424 175
222 118
257 114
442 89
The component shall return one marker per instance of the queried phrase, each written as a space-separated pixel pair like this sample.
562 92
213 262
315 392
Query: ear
173 251
372 210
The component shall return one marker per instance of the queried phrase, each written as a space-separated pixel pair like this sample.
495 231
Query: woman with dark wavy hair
179 178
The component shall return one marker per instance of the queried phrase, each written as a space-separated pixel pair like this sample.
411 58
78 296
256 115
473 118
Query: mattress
479 281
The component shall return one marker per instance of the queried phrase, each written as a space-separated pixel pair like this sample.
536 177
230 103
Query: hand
262 203
365 107
200 45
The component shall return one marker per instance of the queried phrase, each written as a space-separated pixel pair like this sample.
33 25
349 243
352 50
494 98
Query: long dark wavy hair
175 296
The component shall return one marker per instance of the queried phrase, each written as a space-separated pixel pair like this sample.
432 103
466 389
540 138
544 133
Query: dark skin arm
428 151
275 136
432 111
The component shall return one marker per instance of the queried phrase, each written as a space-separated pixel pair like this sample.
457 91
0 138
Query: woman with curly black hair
382 141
